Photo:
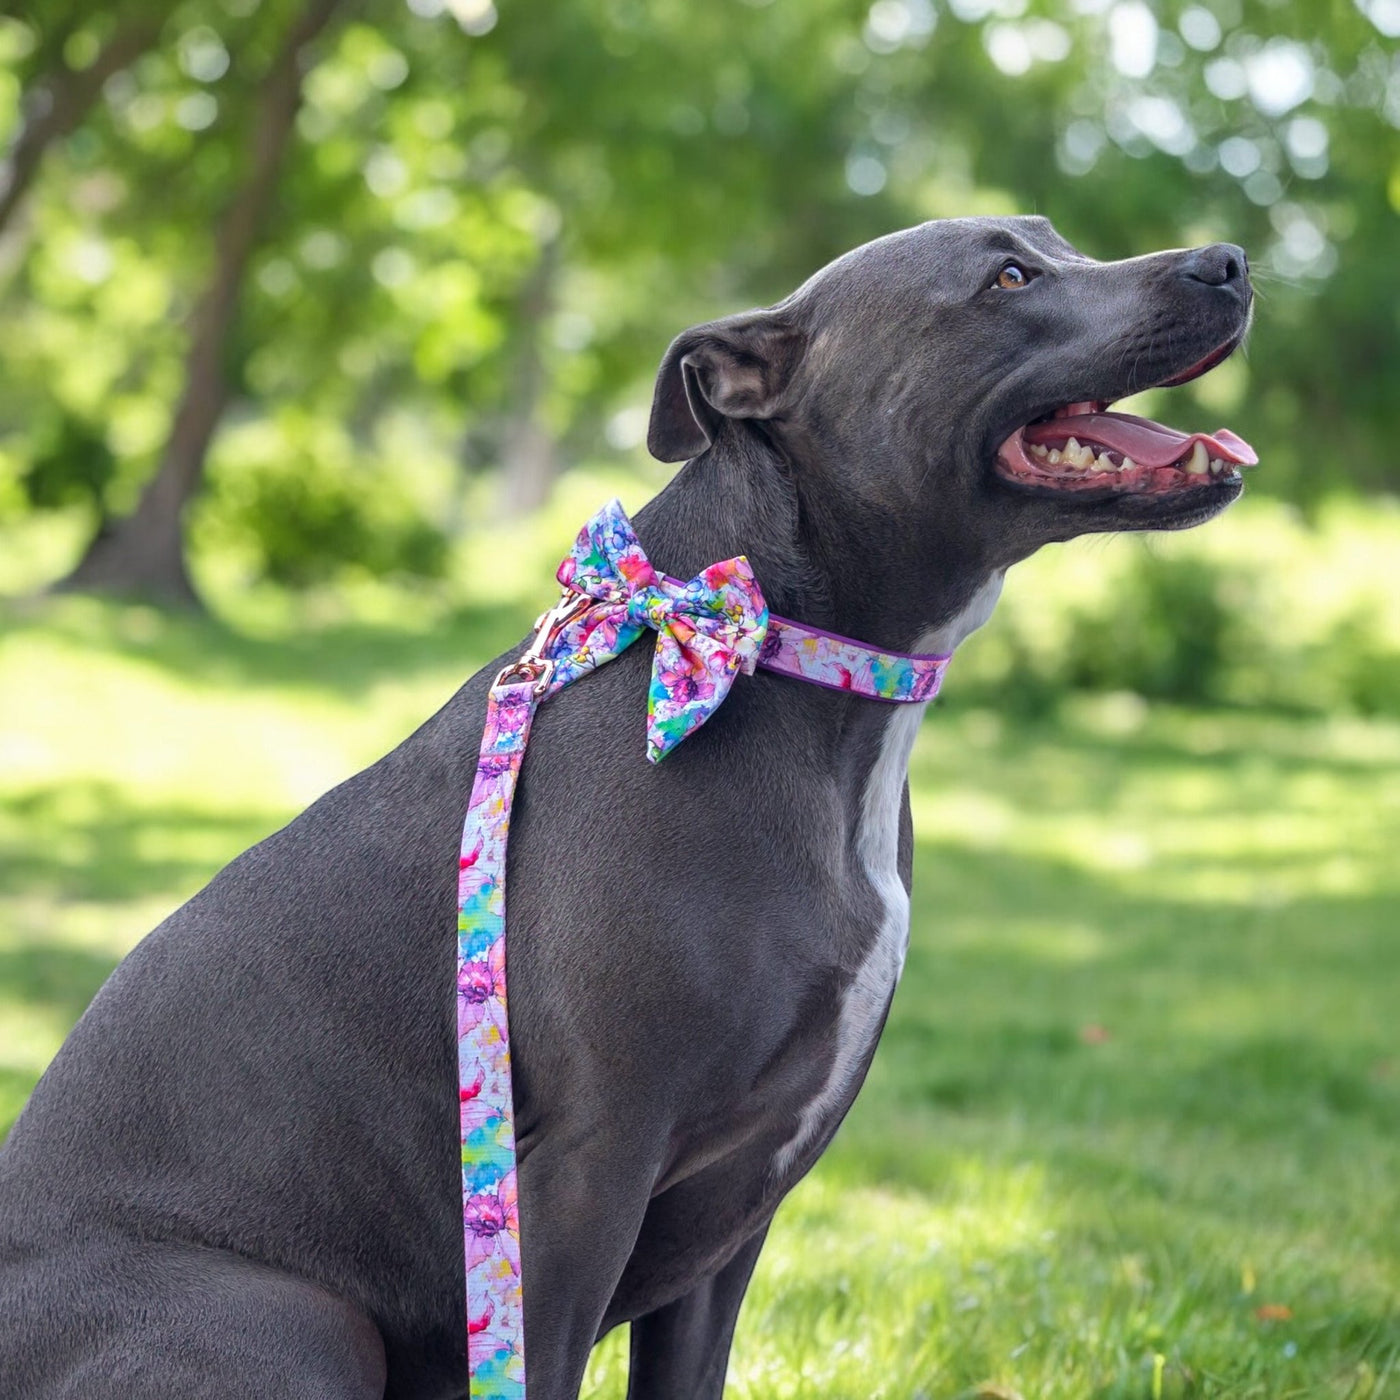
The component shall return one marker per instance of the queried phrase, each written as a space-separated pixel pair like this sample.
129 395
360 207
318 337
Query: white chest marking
877 846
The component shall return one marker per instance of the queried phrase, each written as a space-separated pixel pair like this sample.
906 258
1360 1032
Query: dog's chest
866 999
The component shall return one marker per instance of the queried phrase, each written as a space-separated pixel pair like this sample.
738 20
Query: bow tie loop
708 630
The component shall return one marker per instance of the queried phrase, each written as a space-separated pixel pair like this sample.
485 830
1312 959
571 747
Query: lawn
1134 1128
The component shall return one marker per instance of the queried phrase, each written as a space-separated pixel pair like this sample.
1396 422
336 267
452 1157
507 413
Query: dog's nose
1217 265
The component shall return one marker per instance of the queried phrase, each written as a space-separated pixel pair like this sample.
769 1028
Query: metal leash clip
533 664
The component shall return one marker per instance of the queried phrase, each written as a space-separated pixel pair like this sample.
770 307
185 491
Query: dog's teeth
1128 465
1105 463
1078 456
1039 448
1053 456
1198 464
1217 467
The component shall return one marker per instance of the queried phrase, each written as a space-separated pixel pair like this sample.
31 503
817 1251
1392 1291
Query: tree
145 552
490 223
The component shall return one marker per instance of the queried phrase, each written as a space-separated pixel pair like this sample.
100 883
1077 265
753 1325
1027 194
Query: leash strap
708 630
490 1209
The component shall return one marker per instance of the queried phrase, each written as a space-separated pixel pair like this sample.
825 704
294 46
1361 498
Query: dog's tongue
1149 444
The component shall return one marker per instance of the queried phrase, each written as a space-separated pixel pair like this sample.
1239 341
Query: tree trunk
145 552
529 454
55 108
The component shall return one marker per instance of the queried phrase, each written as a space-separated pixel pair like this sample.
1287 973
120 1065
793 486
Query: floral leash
708 630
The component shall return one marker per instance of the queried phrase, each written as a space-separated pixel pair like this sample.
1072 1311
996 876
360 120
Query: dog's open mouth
1082 446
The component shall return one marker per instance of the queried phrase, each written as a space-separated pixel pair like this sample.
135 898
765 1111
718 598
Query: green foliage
493 216
305 524
1260 609
72 466
1168 634
299 507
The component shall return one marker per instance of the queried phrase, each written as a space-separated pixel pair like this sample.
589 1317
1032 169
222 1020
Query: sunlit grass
1137 1111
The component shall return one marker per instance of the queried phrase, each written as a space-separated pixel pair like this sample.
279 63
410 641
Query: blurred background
313 311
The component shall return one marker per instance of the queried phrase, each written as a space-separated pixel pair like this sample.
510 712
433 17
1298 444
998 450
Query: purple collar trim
839 663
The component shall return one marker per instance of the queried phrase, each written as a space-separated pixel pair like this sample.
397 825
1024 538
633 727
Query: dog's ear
738 367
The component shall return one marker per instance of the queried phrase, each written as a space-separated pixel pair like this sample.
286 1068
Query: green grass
1134 1129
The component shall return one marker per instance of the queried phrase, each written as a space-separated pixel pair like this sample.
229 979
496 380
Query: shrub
301 507
1257 608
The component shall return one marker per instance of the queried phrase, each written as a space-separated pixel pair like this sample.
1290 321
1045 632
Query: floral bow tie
708 630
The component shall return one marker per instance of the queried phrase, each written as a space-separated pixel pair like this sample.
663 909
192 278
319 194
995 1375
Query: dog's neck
834 568
822 554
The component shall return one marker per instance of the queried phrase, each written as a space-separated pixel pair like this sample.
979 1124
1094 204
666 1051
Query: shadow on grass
88 841
54 979
53 976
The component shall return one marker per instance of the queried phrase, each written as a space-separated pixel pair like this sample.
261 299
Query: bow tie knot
707 630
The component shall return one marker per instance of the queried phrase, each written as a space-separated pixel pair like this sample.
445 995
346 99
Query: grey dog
239 1176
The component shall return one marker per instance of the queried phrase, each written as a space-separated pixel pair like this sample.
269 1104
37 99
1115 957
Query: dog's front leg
680 1352
589 1202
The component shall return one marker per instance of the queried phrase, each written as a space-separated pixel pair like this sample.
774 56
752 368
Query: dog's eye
1013 277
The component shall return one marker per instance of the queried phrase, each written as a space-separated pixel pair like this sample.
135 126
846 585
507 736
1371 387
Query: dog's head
963 370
